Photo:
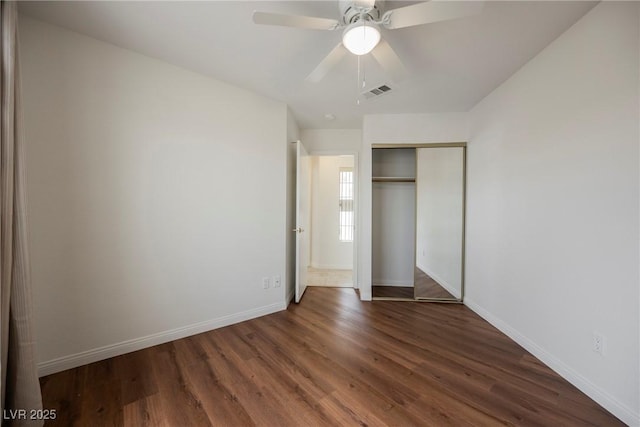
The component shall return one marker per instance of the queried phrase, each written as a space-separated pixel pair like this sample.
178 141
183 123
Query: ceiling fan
361 22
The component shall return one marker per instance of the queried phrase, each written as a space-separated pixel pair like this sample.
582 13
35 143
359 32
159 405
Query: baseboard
453 291
83 358
610 403
331 267
331 286
399 283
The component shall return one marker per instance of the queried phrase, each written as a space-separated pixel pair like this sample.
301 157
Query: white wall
156 198
293 135
553 193
327 251
439 215
331 140
391 129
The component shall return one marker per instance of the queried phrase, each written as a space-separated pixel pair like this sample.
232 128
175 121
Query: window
345 232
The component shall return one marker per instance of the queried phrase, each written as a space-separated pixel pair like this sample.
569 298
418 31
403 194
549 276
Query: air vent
380 90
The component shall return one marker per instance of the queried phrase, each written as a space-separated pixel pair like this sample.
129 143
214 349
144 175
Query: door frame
300 281
463 145
356 203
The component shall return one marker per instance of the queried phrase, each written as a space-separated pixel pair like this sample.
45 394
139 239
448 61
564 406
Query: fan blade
307 22
389 61
431 11
330 61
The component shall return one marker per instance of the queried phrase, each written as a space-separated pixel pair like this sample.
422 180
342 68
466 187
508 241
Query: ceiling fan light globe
360 38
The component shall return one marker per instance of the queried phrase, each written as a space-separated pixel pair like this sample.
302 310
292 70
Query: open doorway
332 221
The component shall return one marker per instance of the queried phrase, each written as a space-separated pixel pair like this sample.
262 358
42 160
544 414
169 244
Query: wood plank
145 412
136 376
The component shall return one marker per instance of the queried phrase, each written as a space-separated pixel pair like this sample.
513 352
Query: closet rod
392 179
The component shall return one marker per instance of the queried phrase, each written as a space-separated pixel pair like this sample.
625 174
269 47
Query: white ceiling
452 64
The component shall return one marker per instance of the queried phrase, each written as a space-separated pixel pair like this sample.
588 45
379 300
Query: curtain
20 386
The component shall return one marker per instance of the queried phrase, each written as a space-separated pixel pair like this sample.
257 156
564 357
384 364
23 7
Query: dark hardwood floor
392 292
331 360
426 287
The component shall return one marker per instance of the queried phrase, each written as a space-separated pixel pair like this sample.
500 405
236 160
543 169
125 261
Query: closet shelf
393 179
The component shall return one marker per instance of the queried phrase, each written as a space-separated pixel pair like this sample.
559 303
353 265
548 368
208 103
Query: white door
303 211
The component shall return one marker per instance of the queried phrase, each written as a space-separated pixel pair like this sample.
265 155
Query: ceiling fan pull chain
364 74
358 83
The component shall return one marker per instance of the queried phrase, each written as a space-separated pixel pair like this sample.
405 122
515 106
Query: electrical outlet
265 283
598 343
276 281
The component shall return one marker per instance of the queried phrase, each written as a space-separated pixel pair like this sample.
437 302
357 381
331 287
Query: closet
418 203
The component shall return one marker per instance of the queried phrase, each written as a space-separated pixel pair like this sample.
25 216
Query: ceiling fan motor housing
351 10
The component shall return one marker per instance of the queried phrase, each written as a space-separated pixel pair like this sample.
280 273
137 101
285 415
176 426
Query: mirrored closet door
418 202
